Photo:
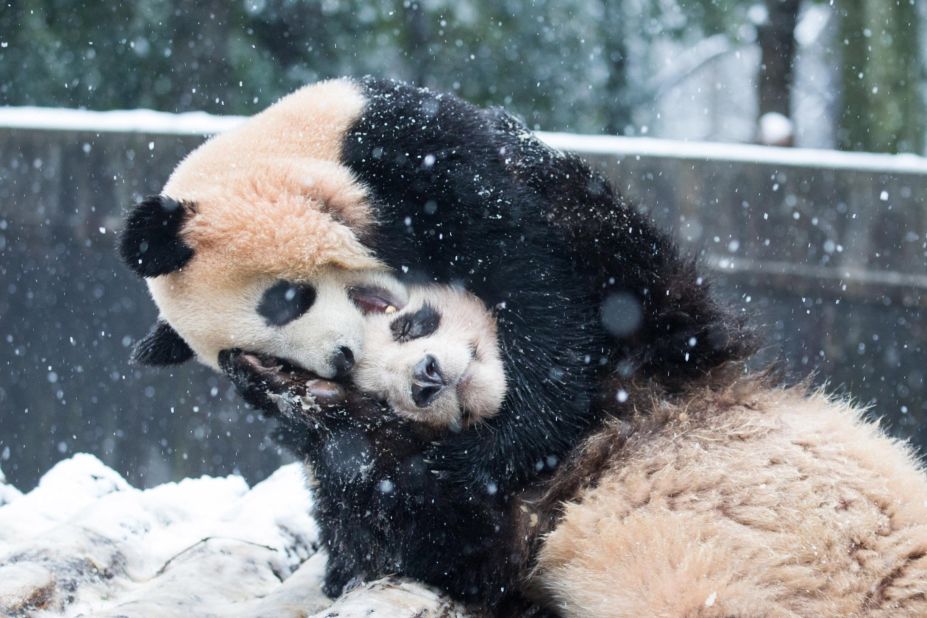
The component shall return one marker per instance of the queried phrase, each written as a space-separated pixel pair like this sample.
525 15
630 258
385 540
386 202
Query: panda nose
342 361
427 381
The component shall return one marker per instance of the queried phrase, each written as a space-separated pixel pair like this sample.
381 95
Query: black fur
450 211
682 332
379 508
284 301
422 323
466 195
151 244
161 346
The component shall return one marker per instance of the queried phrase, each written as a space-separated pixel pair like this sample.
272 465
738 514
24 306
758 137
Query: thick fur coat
692 493
738 499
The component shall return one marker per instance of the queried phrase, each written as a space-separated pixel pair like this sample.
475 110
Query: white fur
218 317
476 382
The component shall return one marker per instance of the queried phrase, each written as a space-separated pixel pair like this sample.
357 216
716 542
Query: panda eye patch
285 301
422 323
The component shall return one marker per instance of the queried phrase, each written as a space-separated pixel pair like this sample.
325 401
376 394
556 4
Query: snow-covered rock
85 542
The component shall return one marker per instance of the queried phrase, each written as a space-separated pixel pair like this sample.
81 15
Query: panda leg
339 575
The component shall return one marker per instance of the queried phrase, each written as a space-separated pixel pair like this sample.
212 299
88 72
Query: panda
694 487
733 496
431 372
253 242
260 234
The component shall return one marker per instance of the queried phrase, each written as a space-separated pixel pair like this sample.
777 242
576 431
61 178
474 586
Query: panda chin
262 380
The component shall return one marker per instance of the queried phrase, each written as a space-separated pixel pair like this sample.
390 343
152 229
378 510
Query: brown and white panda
253 241
732 497
260 234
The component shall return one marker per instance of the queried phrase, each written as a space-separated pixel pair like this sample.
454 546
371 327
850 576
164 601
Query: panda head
434 359
256 239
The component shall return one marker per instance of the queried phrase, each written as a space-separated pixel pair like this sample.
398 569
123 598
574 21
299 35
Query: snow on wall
85 542
120 121
201 123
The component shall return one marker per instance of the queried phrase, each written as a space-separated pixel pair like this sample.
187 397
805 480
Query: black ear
150 243
162 346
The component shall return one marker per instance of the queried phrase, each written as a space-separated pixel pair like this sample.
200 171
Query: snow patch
85 542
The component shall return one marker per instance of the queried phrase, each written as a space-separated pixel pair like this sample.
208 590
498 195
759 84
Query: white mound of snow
85 542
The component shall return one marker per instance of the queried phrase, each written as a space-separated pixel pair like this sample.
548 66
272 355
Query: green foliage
578 65
882 76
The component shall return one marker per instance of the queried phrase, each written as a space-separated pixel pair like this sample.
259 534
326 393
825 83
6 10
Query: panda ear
161 346
151 244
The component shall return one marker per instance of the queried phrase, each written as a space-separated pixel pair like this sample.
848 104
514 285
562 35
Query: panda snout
342 361
427 381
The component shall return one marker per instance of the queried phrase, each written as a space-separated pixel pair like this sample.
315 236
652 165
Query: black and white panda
435 360
431 372
725 495
341 180
691 488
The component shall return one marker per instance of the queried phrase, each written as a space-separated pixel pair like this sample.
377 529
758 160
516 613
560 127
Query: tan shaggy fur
742 501
272 193
270 201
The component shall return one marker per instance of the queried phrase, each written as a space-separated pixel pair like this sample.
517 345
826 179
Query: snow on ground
85 542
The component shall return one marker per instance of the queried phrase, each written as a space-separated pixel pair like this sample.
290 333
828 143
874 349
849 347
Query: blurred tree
564 64
617 100
776 37
882 76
